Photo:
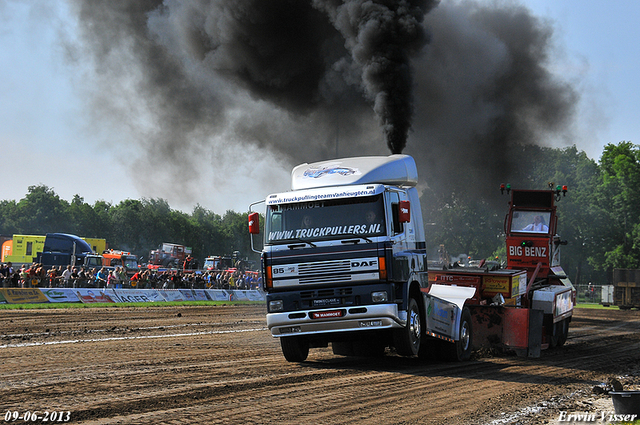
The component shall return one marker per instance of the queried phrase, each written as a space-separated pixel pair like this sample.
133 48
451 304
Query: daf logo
356 264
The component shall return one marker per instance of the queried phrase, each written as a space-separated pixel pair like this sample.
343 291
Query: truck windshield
329 219
530 221
130 262
94 261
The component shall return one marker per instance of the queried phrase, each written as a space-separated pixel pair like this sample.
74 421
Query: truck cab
118 258
61 249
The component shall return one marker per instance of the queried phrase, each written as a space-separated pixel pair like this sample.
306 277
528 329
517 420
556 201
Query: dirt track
221 365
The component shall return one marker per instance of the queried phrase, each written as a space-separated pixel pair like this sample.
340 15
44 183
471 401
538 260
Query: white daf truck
344 263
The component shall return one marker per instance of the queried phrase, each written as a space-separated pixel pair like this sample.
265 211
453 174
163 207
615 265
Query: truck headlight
379 297
276 305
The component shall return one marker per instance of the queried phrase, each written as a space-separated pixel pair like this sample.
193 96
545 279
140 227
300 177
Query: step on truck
344 263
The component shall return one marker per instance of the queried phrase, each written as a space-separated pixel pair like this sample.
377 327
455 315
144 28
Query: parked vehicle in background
626 292
61 249
24 249
222 262
116 257
169 255
217 262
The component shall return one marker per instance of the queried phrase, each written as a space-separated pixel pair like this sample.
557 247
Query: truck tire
459 350
407 340
295 349
464 344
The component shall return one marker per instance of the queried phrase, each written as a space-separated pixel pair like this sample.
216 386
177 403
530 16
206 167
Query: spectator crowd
36 276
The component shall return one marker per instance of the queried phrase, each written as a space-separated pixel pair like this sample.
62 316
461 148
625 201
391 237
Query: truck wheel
463 345
295 349
461 349
407 340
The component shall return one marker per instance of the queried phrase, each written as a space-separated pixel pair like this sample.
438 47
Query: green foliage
618 203
137 226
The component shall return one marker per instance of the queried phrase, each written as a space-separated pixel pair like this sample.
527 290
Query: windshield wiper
356 240
301 245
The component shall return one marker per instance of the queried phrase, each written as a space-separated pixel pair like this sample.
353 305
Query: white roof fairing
393 170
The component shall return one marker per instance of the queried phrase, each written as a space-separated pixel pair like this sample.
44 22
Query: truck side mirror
404 212
254 223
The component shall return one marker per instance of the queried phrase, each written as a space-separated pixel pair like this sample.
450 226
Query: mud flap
523 331
535 333
517 329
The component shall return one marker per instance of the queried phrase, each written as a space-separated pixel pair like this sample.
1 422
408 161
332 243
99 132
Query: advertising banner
239 295
23 295
171 294
200 294
136 295
60 295
255 295
98 295
218 294
193 295
87 295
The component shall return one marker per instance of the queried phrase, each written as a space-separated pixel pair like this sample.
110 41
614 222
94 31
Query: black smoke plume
382 37
204 84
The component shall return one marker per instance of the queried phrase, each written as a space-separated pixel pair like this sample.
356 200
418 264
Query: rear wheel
295 349
463 345
407 340
460 350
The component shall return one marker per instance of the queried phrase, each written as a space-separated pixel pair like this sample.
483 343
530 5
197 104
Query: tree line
599 217
137 226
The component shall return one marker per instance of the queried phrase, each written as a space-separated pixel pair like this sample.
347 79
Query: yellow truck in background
23 249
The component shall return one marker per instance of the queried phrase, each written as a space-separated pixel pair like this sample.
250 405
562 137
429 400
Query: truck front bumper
342 319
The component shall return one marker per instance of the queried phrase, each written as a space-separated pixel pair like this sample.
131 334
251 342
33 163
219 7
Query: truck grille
326 293
323 267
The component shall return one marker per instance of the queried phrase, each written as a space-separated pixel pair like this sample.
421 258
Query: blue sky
600 40
47 137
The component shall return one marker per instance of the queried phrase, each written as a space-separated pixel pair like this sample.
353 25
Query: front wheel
407 340
295 349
